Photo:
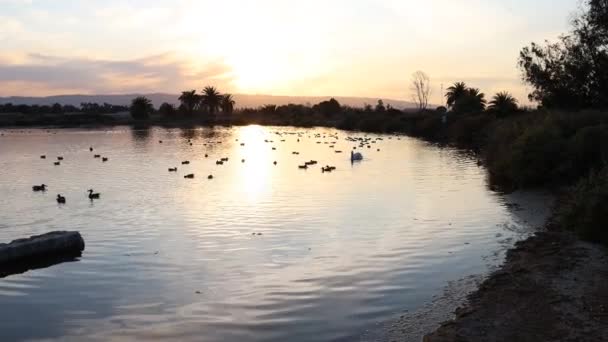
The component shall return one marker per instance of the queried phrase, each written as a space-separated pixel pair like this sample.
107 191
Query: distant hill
242 100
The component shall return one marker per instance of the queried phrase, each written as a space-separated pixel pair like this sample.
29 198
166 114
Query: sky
278 47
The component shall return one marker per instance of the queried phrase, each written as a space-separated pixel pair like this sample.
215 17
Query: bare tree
421 89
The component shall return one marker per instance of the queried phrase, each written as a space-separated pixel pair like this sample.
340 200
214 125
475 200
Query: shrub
584 208
587 150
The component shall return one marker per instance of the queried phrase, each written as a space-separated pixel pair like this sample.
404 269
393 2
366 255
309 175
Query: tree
328 108
211 99
421 89
167 110
473 100
189 101
455 92
503 103
227 104
571 73
380 108
56 108
141 108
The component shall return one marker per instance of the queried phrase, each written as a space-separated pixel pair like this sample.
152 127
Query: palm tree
227 104
455 92
141 108
189 99
212 99
477 97
503 102
473 100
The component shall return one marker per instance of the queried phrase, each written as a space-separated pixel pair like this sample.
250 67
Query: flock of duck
91 194
362 142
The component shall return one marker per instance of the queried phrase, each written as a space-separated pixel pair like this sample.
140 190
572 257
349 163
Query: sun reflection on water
254 179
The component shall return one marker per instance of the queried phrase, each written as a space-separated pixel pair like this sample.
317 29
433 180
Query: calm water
172 258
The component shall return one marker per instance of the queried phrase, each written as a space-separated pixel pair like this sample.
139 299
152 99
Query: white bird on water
355 156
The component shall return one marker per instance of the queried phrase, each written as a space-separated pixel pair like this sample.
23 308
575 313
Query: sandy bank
552 287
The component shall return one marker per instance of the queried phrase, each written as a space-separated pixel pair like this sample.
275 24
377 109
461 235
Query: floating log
35 248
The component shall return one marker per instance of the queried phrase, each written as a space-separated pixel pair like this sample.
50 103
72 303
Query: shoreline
550 288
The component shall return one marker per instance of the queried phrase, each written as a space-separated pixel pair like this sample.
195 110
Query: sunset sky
280 47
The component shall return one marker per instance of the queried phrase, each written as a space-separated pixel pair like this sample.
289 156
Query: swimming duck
57 163
42 157
173 169
91 149
355 156
41 187
59 158
186 162
97 156
275 162
219 162
104 159
305 166
60 199
93 195
210 177
190 176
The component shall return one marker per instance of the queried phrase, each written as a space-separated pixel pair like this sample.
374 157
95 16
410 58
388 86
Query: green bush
585 207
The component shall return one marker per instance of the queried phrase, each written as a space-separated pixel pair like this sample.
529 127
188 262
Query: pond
261 252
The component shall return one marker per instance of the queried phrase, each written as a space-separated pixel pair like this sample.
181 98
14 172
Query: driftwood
39 251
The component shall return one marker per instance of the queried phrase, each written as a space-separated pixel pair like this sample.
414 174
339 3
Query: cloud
34 74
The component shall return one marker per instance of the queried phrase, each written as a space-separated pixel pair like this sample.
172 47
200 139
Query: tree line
209 101
57 108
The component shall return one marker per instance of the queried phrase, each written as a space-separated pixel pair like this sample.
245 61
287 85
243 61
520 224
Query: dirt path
552 287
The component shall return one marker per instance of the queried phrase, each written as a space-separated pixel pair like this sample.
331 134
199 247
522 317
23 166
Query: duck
41 187
43 157
210 177
190 176
93 195
305 166
355 156
173 169
59 158
275 162
104 159
224 159
57 163
97 156
91 149
242 160
160 141
60 199
206 156
219 162
186 162
338 151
